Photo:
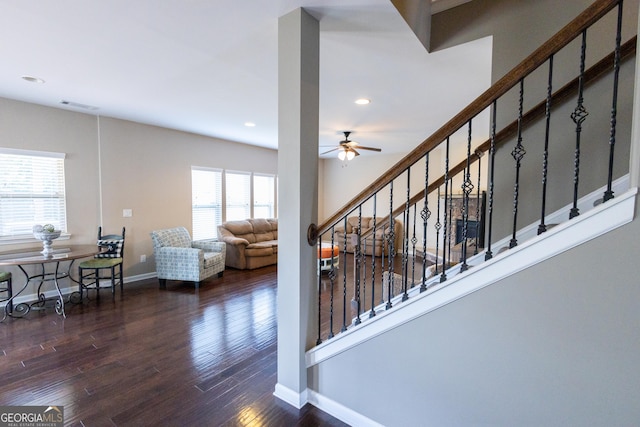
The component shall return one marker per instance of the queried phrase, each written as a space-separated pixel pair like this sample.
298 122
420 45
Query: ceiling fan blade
327 152
360 147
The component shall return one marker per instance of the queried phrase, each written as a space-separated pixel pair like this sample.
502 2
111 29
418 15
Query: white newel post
298 98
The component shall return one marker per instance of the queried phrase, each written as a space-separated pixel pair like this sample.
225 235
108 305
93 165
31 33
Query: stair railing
462 224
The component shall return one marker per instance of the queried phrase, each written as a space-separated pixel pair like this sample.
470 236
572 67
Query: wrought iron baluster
358 261
383 256
517 153
443 276
467 188
414 240
319 340
391 248
478 154
608 194
578 116
332 280
542 227
438 226
425 214
405 243
344 280
492 162
372 313
450 225
363 279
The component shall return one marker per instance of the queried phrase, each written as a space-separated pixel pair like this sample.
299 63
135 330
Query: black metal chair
5 278
110 259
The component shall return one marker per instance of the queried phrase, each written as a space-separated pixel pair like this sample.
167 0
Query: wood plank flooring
151 357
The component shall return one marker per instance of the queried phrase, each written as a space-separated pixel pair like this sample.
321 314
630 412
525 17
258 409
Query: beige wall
114 164
344 180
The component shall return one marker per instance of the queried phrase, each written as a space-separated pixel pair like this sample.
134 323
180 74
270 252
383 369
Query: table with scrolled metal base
32 256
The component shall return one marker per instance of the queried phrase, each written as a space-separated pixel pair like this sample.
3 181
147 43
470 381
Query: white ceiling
209 66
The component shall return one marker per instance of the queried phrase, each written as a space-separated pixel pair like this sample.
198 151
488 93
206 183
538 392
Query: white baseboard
330 406
139 277
297 400
340 411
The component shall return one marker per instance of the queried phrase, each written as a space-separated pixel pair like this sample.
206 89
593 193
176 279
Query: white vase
47 238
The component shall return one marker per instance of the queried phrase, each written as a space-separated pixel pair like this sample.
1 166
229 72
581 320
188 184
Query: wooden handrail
572 30
627 51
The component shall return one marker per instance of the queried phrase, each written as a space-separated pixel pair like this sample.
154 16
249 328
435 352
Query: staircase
512 324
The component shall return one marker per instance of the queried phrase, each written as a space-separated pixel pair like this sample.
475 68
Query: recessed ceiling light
250 124
363 101
33 79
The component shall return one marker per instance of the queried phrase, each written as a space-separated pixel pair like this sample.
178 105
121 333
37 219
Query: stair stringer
596 222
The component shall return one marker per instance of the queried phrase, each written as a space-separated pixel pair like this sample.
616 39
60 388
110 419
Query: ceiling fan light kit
346 154
347 149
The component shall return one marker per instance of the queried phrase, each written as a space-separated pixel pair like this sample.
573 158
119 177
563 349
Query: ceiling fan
347 148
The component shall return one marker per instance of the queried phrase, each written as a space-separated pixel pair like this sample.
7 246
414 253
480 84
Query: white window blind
238 195
206 202
263 196
31 192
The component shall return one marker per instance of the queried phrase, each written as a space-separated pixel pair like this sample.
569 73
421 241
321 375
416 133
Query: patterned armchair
180 258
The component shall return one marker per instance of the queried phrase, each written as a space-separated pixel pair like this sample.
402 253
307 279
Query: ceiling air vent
78 105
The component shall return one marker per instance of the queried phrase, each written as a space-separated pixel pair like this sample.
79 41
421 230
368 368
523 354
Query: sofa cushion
261 248
274 227
262 229
242 229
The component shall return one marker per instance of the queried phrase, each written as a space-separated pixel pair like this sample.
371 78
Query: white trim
139 277
28 238
206 169
32 153
100 197
600 220
339 411
298 400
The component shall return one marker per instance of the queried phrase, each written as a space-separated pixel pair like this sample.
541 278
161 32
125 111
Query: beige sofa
366 223
250 243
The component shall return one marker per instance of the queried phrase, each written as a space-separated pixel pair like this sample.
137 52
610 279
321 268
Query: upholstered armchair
180 258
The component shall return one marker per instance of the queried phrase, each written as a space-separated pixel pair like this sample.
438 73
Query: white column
298 97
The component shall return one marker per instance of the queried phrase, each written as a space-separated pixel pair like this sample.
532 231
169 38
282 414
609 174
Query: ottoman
326 254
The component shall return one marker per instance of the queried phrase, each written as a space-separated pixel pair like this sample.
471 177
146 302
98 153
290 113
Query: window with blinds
238 195
31 192
206 202
264 196
219 195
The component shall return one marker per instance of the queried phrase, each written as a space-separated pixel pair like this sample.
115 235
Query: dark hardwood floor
151 357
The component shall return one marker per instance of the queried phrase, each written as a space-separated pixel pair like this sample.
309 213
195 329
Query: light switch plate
127 213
